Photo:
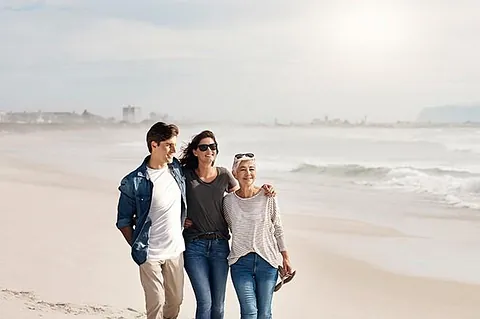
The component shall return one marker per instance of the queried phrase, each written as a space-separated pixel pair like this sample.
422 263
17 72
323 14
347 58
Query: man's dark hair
160 132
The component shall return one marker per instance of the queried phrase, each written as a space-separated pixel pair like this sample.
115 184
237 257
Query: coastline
6 127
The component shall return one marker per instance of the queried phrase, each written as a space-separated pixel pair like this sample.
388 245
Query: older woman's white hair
238 158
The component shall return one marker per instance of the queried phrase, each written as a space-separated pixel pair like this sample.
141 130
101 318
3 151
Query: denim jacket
134 204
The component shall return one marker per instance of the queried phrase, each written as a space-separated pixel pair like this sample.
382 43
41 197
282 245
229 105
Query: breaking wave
352 170
456 187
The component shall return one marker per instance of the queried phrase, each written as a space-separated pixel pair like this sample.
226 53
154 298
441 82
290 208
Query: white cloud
123 40
34 4
116 39
17 4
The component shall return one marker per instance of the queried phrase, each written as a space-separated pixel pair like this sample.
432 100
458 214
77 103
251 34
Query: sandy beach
64 258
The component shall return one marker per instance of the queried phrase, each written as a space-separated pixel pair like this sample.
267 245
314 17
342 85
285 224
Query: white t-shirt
165 238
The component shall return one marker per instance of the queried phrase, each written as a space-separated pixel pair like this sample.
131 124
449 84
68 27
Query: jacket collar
142 169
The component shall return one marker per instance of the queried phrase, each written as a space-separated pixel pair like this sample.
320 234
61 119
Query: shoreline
7 127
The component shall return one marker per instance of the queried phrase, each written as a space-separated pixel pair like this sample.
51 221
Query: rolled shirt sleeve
126 208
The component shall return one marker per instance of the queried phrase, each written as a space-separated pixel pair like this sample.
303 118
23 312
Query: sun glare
368 29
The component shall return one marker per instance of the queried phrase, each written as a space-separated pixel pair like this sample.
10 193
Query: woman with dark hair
206 231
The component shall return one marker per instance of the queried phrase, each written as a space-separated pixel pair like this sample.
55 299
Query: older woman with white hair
258 250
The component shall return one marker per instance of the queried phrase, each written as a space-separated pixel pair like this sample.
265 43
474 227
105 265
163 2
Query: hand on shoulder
269 190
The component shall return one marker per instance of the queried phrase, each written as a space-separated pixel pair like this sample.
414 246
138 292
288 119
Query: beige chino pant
162 283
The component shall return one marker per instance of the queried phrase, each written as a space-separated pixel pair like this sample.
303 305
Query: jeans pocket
194 247
222 249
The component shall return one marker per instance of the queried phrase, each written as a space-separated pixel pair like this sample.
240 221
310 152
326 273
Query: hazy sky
240 59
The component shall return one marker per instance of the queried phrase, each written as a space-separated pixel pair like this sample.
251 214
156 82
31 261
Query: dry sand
62 257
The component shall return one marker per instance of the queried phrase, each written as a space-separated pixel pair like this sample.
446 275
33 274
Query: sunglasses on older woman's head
240 155
204 147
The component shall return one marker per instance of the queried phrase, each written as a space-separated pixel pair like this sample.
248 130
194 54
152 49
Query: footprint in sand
33 303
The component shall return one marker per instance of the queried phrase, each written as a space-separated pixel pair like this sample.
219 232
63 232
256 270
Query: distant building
130 114
155 117
51 117
43 117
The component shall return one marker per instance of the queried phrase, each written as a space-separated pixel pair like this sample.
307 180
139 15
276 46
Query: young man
151 215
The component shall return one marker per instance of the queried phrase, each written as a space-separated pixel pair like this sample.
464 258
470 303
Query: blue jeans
254 280
207 267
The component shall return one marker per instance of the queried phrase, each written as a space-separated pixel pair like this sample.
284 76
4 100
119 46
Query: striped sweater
256 227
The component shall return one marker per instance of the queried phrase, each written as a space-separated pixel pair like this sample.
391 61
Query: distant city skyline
248 60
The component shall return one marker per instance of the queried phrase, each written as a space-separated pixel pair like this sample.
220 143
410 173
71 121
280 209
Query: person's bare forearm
127 233
285 255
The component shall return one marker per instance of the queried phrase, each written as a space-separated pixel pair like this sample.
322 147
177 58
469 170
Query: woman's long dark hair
187 158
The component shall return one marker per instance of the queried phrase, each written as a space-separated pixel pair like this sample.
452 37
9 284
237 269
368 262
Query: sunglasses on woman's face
204 147
240 155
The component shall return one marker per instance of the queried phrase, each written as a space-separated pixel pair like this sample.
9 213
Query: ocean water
424 183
